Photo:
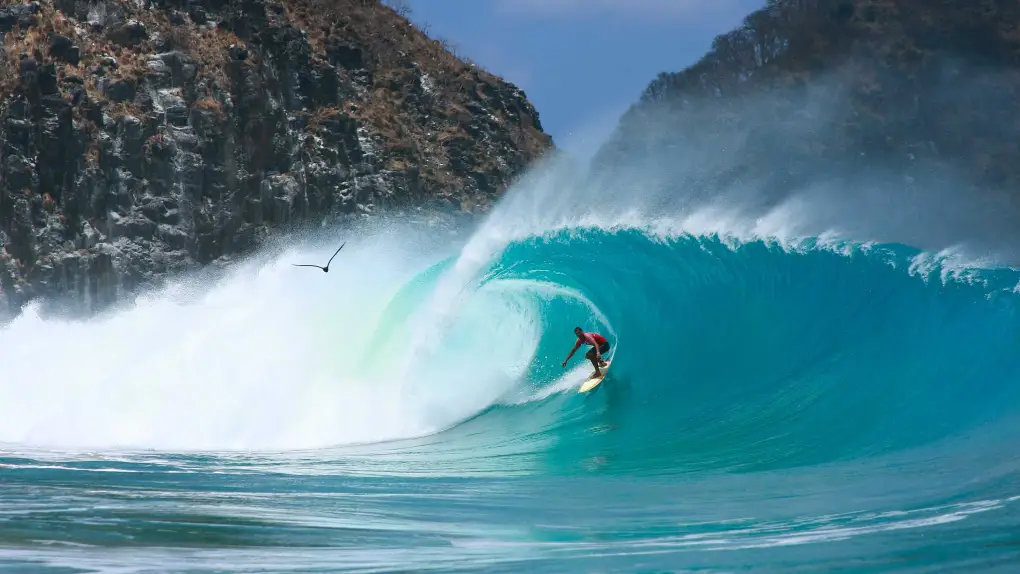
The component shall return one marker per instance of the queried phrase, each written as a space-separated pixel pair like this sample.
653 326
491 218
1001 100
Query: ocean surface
779 401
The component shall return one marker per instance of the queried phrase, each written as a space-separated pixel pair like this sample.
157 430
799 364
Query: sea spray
266 357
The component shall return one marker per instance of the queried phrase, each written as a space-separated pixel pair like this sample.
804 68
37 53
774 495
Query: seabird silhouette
324 269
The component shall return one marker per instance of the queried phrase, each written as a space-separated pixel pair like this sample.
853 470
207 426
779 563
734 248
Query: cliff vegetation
141 138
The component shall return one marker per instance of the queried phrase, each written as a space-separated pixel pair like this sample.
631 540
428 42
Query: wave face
753 356
803 402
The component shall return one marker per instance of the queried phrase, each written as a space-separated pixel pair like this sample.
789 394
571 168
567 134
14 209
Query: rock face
142 138
923 92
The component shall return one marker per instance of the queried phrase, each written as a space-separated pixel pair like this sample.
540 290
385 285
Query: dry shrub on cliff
211 104
209 47
120 109
18 42
404 60
34 40
183 38
8 69
212 52
321 115
389 40
60 23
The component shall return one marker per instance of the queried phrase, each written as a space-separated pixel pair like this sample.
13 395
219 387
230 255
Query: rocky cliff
911 92
143 137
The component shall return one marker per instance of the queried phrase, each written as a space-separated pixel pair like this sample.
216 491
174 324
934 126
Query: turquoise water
773 406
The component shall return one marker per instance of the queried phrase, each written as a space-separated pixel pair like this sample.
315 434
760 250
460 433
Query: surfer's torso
593 339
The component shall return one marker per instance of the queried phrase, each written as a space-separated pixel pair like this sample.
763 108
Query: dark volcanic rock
137 142
15 15
63 49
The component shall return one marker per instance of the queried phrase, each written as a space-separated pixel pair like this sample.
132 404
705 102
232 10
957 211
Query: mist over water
746 159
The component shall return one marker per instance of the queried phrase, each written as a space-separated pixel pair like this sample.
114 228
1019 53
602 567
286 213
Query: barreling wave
728 354
738 355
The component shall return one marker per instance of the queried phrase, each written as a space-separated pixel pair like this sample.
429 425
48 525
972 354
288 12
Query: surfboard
592 381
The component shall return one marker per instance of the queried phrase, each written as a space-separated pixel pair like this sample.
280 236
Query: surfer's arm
571 353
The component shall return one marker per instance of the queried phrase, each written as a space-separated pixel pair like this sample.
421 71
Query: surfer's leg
603 349
590 355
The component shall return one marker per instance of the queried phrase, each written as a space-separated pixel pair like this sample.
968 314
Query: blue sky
581 62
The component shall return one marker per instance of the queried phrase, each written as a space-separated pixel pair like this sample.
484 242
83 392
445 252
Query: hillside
912 92
139 139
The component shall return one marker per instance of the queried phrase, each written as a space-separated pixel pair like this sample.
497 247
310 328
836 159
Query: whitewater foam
262 359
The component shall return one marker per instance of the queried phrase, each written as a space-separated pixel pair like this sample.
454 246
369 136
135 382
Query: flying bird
324 269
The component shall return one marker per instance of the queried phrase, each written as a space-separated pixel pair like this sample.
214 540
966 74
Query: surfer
599 345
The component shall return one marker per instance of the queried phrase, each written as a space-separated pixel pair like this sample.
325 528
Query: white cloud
636 9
